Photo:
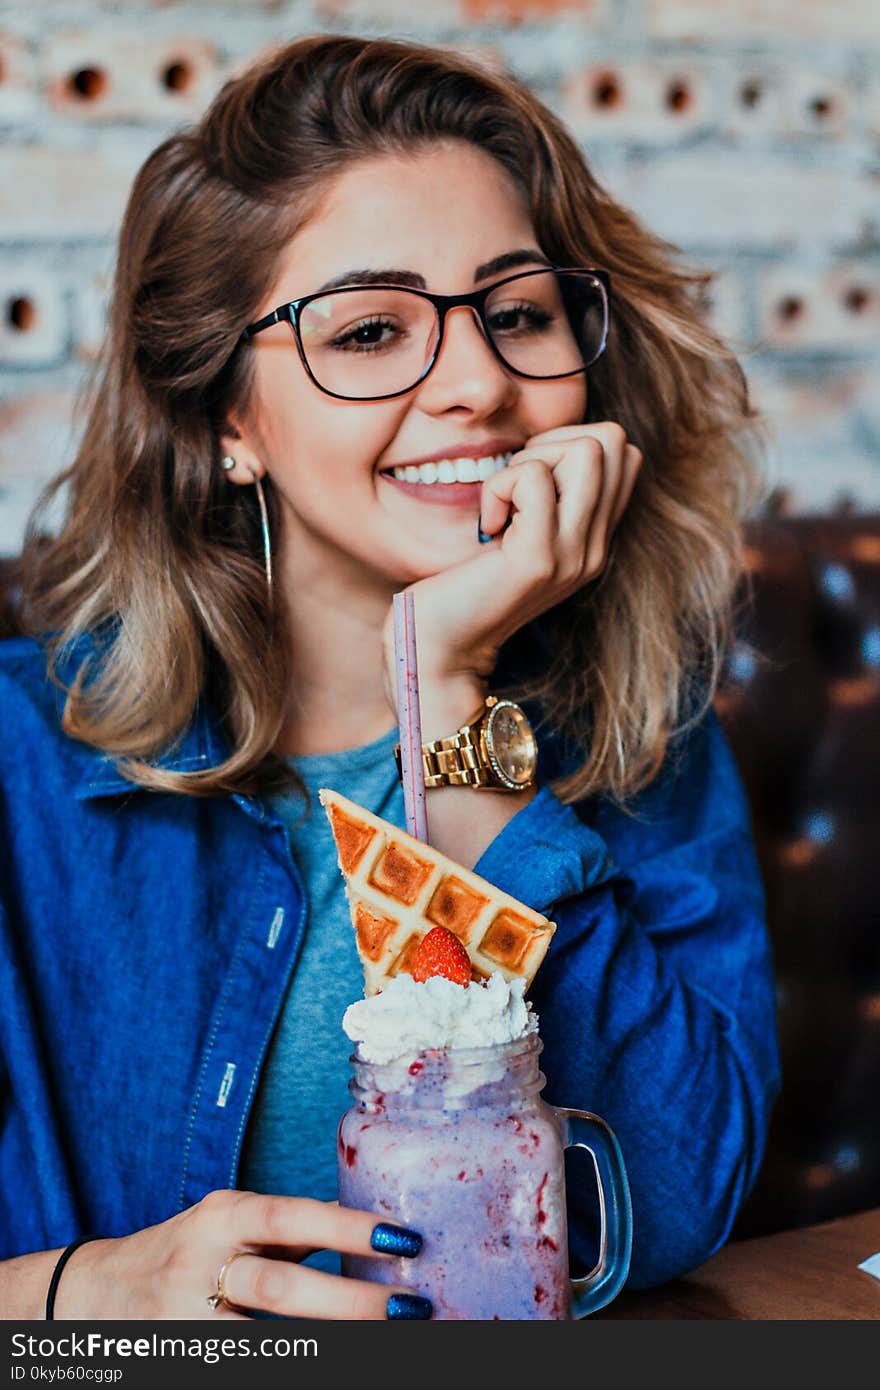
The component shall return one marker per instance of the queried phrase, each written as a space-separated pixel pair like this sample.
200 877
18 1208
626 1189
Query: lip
440 494
474 449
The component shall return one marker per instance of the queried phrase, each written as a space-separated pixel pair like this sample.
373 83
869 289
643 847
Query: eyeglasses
374 342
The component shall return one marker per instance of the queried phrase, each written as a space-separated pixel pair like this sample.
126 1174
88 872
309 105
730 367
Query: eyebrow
507 261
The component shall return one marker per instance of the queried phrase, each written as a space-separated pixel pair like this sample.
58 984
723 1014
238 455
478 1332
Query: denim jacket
147 940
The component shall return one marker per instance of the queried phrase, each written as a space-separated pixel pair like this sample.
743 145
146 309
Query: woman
322 384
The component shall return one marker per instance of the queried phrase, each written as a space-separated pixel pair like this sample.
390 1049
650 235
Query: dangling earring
264 524
228 463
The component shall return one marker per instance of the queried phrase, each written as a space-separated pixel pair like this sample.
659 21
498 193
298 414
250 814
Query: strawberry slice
441 953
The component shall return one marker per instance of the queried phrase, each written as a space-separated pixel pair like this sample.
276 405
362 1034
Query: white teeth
453 470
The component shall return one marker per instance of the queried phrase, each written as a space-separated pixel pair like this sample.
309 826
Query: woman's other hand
170 1270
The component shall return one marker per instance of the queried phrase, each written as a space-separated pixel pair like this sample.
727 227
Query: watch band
465 759
455 761
458 761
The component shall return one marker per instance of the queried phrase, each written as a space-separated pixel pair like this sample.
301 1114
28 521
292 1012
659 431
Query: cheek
312 435
324 456
552 404
304 428
573 401
325 489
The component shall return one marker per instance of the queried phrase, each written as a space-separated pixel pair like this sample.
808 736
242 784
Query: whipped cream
411 1016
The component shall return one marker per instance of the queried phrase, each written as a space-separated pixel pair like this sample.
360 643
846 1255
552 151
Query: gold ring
220 1299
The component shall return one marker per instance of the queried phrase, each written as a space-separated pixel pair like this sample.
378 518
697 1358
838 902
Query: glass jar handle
581 1130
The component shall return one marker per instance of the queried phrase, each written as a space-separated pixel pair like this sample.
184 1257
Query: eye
366 336
519 316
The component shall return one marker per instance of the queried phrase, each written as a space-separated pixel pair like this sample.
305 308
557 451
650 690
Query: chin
404 554
429 565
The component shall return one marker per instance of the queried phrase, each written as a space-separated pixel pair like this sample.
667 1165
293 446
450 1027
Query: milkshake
448 1134
455 1142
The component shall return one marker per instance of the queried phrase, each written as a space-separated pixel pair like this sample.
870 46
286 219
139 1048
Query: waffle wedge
399 888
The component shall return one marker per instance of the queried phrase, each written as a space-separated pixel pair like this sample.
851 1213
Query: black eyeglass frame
292 311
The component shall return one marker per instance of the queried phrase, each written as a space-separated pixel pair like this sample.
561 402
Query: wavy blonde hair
162 559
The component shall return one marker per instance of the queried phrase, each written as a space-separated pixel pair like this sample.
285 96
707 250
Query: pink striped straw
408 715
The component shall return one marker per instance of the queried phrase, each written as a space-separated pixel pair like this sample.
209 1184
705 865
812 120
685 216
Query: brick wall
747 132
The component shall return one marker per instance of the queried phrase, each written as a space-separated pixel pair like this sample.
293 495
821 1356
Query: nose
466 370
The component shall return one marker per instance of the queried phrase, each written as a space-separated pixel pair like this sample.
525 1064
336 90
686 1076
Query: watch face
511 744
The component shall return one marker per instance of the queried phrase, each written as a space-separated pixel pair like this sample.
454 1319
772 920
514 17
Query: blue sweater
148 941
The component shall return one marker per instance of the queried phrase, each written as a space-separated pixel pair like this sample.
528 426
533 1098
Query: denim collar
197 749
203 745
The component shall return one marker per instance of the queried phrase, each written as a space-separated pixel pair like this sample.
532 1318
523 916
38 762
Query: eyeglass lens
378 340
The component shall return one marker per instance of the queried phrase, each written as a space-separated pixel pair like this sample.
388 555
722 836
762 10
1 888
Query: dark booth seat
802 709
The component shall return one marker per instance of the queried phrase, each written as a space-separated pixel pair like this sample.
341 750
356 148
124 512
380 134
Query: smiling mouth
446 473
447 482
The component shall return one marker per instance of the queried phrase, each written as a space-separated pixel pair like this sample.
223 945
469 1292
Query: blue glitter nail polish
395 1240
409 1305
481 534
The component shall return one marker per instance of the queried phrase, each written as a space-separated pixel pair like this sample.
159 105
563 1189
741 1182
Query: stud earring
228 462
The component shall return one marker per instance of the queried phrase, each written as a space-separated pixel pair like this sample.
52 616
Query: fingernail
409 1305
395 1240
481 534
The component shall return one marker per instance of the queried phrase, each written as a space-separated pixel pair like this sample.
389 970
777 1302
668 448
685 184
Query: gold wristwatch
495 750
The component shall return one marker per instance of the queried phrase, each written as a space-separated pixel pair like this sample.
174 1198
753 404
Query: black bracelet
56 1273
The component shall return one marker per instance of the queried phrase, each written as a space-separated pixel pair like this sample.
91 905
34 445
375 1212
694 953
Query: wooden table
811 1273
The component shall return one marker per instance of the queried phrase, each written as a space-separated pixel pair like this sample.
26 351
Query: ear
234 444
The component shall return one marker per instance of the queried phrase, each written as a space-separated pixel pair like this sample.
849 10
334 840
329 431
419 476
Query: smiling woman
319 388
341 144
